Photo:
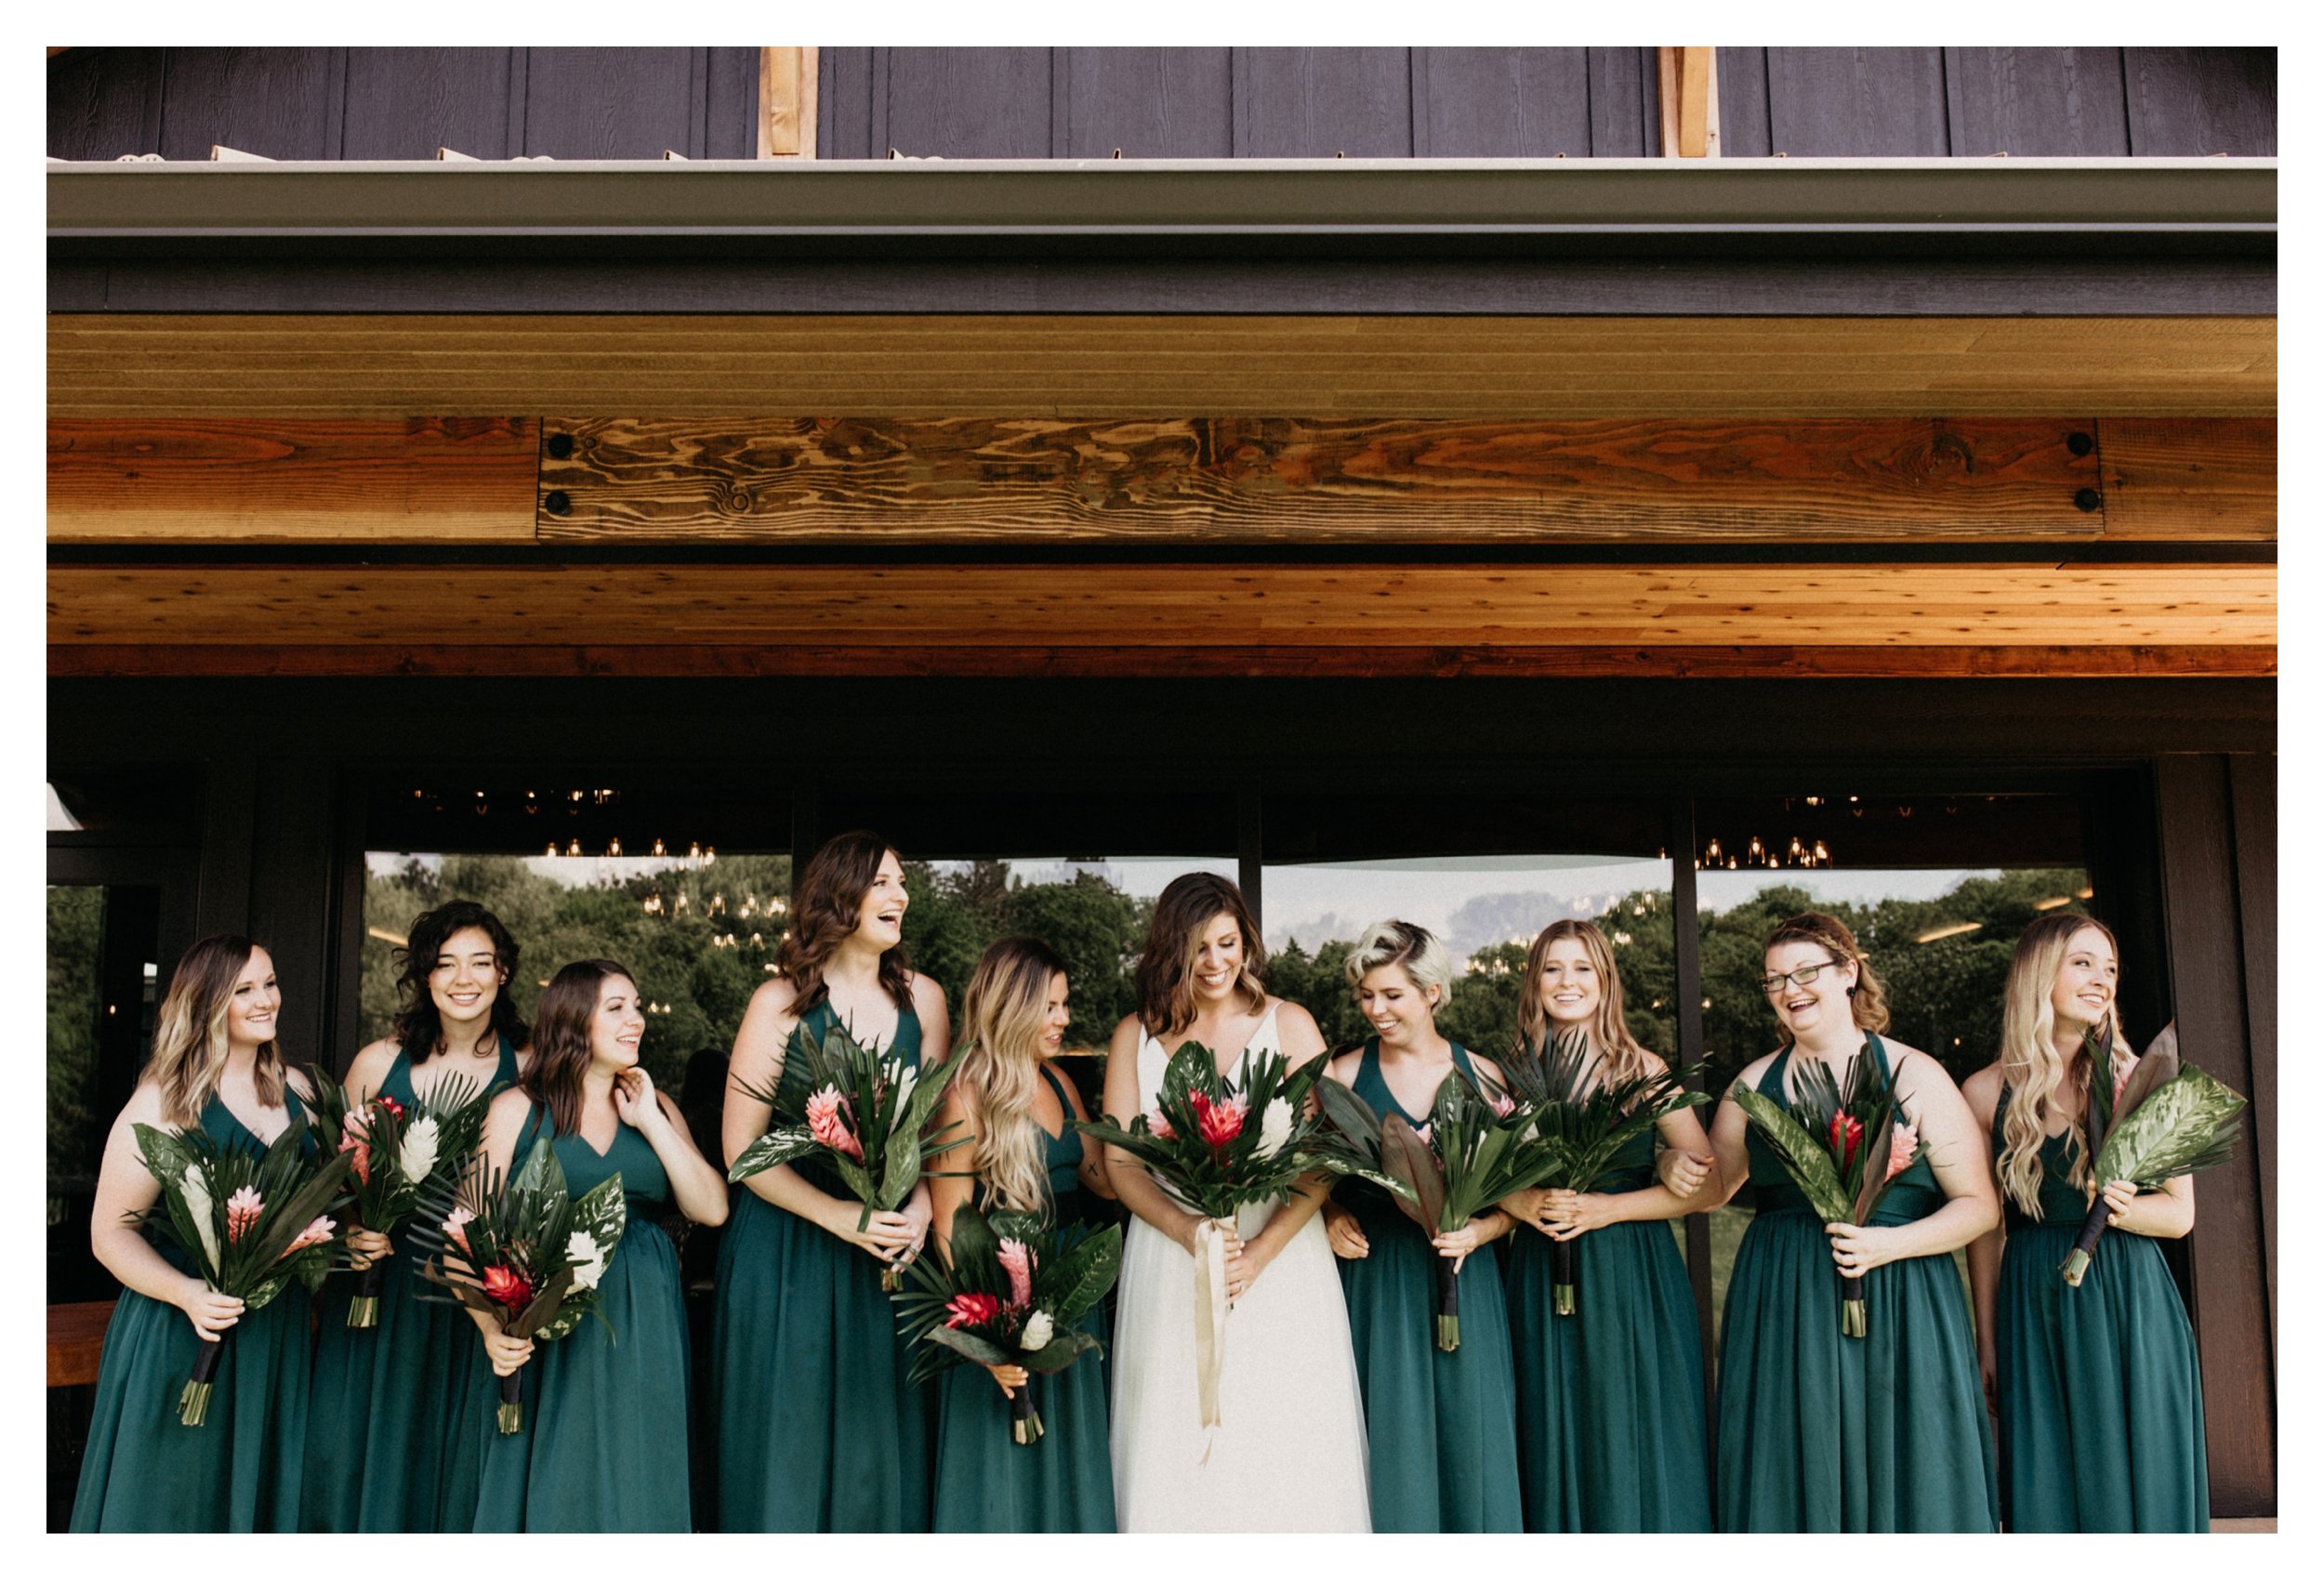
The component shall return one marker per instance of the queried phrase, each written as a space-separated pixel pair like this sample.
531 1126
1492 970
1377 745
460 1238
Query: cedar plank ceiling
947 435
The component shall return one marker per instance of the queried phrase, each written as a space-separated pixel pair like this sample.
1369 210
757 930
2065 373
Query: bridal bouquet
1009 1294
1203 1143
1588 1124
1841 1147
2166 1119
1473 1149
403 1162
522 1252
248 1221
862 1112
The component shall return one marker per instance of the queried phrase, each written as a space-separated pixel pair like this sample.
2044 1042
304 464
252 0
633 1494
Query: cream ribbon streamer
1210 1309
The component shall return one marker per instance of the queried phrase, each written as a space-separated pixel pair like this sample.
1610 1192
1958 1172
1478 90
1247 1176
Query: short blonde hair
1419 952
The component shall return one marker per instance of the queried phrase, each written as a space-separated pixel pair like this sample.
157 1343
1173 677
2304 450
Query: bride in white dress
1287 1393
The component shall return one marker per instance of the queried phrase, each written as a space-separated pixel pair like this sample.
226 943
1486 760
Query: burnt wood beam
1865 618
1085 367
187 481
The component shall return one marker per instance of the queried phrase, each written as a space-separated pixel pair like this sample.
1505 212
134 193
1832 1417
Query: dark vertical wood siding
963 103
293 897
2067 103
1625 104
1743 104
277 103
2195 813
1866 103
1149 103
1488 103
407 104
1315 103
2252 784
104 103
613 103
2201 101
843 104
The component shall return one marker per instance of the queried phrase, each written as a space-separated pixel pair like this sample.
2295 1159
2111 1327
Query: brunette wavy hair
825 910
1166 970
560 1039
1868 1001
419 1026
189 1045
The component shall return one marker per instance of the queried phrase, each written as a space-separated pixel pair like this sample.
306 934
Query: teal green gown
985 1480
2102 1400
818 1428
604 1441
1610 1433
1442 1426
239 1471
411 1466
1822 1432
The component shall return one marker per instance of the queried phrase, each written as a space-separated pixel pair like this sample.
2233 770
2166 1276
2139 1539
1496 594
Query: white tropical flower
589 1262
416 1157
1275 1129
1037 1330
198 1207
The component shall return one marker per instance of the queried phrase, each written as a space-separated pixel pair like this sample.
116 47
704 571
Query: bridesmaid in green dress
2100 1397
412 1467
818 1430
603 1446
214 1065
1440 1425
1609 1398
1019 1154
1818 1432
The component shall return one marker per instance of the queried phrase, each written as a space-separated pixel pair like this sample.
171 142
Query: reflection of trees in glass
76 919
1097 928
1945 996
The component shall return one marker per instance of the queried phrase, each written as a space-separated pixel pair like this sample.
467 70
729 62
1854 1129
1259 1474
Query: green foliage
76 919
2188 1123
1264 1157
199 1178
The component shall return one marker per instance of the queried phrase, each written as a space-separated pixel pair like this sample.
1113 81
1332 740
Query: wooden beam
787 103
2188 479
1689 83
792 661
188 480
76 1341
1284 480
1175 608
1084 367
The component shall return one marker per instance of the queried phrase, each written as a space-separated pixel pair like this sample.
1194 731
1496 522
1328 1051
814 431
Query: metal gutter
2228 199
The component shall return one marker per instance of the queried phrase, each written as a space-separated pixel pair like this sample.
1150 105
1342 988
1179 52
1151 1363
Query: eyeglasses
1804 975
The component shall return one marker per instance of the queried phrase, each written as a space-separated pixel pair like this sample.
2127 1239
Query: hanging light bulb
573 848
552 848
613 847
657 849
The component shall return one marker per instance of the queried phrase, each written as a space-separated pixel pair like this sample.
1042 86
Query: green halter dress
241 1469
818 1430
2102 1400
604 1441
411 1463
1818 1432
1610 1400
1442 1426
985 1480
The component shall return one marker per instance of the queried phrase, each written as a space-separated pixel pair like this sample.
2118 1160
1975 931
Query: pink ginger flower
1016 1261
1903 1141
831 1121
355 1143
242 1212
456 1227
314 1234
1219 1121
1503 1104
1160 1124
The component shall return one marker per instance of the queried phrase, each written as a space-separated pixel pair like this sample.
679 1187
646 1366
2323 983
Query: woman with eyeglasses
2099 1395
1818 1430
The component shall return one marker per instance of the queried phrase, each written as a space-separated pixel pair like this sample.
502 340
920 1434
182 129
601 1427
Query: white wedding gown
1288 1452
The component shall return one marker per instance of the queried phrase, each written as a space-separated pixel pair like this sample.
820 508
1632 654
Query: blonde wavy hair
189 1045
1868 1001
1621 1056
1001 1014
2037 1078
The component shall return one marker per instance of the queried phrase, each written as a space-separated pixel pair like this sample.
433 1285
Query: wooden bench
76 1339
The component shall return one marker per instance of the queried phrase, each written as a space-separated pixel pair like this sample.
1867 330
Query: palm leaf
773 1148
1802 1156
1063 1348
1086 1272
2186 1123
2146 1076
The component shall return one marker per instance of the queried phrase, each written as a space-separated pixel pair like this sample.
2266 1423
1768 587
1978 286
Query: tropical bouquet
1012 1293
865 1114
1588 1124
1474 1148
249 1222
405 1161
1200 1140
520 1251
2161 1120
1842 1146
